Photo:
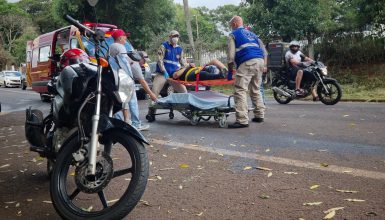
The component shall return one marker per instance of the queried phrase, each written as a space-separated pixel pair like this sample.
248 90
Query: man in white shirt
294 58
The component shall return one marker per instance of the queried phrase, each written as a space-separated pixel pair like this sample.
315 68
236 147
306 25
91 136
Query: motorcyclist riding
296 62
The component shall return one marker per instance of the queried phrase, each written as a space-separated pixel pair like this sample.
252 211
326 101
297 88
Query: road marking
278 160
28 92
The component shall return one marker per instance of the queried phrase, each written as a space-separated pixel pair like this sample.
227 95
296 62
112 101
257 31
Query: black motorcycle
98 164
315 76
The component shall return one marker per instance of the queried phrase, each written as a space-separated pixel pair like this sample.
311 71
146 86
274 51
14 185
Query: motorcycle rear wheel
280 98
330 96
76 195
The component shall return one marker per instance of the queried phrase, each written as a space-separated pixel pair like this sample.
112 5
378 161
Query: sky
211 4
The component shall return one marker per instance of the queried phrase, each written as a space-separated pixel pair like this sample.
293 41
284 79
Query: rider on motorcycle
295 60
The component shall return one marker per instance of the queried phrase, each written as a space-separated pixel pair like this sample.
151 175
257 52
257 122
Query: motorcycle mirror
92 3
318 56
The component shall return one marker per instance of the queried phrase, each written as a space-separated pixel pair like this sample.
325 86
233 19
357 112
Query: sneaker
238 125
299 92
143 127
258 120
315 99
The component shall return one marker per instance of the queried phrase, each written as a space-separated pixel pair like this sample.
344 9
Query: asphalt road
340 145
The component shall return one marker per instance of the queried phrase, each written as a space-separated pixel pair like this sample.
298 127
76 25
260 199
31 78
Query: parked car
10 78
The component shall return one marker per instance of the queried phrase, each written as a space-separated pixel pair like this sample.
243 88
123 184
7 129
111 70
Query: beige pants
159 82
248 77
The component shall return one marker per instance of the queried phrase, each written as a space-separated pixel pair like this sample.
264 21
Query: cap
144 55
174 32
118 33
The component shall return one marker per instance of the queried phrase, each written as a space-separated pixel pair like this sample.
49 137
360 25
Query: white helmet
294 43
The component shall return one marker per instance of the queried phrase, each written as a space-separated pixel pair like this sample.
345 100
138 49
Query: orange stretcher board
197 82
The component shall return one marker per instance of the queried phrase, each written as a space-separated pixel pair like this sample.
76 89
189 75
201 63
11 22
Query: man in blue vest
170 59
248 52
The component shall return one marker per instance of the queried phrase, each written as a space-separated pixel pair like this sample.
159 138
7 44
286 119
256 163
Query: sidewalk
193 184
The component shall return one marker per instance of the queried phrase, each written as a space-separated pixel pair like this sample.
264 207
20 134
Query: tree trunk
310 46
188 24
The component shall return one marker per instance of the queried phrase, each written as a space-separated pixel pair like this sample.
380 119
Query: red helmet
73 56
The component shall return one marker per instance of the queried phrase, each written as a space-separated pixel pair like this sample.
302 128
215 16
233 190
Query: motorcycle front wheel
120 180
330 94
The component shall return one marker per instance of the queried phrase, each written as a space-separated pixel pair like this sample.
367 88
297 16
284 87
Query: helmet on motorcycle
73 56
294 46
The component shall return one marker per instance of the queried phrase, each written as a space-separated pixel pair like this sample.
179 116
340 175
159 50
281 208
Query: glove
165 74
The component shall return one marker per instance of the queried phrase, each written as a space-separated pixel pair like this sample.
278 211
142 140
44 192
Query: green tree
144 19
293 18
40 11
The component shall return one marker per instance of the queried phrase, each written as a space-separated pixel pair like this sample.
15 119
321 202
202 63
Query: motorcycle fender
107 123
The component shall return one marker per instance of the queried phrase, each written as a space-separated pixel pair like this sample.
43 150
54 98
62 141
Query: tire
332 96
132 188
279 98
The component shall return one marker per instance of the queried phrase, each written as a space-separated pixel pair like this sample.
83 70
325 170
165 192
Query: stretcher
196 106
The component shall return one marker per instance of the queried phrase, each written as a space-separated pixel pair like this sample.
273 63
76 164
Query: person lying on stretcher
213 70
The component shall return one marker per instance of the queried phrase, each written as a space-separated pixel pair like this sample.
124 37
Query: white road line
27 92
278 160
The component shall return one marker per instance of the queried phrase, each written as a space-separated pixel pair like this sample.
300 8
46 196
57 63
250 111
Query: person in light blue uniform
170 59
248 53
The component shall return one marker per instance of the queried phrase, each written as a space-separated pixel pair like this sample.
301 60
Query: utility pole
188 24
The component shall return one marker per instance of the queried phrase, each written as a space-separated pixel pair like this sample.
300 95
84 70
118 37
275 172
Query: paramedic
248 52
170 59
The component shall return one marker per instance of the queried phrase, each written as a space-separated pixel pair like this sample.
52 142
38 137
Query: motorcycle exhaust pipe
281 92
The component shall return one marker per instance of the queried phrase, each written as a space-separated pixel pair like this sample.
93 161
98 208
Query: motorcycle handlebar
77 24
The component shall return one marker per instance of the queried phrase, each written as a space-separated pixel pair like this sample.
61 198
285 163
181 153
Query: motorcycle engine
59 137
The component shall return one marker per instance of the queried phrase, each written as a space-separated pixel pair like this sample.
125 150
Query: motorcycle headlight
324 71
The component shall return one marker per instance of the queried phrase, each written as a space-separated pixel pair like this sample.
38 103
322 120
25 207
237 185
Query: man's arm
230 52
161 52
148 90
183 60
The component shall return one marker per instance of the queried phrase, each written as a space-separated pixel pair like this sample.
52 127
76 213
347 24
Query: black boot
238 125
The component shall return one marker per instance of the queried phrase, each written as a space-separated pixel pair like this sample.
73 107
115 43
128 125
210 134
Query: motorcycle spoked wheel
119 183
280 98
331 95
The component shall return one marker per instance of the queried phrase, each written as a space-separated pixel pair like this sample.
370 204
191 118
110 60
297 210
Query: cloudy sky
211 4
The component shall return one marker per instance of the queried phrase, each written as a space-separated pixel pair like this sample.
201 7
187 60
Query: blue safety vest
171 58
246 46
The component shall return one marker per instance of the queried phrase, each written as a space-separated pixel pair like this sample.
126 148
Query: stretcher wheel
194 120
222 121
171 115
150 117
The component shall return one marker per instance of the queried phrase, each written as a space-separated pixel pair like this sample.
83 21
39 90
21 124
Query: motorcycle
98 164
315 76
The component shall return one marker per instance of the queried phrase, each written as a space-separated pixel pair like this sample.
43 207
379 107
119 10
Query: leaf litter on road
311 203
184 166
330 215
247 168
269 174
333 209
354 200
346 191
263 168
314 186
